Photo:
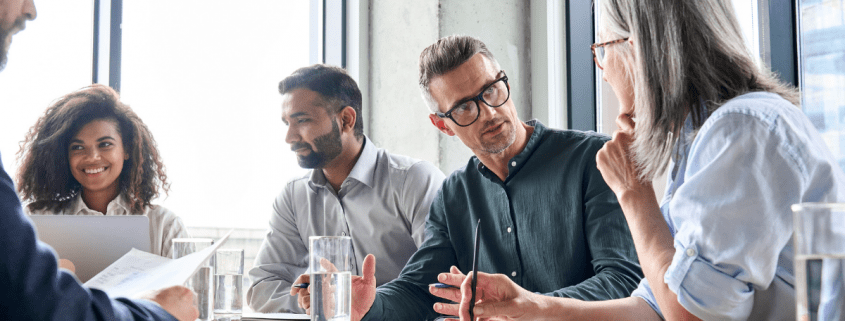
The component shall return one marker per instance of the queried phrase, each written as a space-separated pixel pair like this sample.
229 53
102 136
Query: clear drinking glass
331 278
228 284
202 281
819 261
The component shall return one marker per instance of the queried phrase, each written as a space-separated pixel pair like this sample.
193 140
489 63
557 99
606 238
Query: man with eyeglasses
32 287
548 220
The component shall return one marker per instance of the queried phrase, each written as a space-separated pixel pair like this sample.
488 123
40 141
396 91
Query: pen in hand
300 285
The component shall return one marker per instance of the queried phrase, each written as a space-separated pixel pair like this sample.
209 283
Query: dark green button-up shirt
553 226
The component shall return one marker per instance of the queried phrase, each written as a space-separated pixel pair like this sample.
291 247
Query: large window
822 69
52 57
607 106
204 76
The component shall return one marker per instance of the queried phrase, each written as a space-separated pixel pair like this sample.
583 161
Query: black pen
300 285
474 272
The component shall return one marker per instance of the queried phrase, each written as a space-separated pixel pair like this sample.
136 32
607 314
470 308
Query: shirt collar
365 167
116 207
515 163
363 171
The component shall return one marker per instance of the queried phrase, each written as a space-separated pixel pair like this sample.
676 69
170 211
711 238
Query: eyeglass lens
494 96
600 55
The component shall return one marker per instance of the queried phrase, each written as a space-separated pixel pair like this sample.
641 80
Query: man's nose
485 109
29 10
291 136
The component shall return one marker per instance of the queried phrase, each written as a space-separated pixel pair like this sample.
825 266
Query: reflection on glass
822 62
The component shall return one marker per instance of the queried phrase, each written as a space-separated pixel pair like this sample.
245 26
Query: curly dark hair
44 177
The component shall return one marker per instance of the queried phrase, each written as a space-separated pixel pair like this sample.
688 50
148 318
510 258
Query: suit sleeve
33 288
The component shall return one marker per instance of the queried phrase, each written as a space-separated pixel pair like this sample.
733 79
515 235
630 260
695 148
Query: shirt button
513 163
509 229
690 252
513 273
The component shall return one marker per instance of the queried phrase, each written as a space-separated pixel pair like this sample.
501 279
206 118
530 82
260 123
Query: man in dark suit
32 287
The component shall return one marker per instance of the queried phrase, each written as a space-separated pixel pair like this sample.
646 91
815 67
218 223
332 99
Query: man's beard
4 34
3 49
508 136
328 147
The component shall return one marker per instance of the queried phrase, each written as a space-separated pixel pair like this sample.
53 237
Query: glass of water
228 284
331 278
819 261
202 281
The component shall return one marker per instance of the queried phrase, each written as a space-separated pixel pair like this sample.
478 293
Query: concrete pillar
398 118
400 30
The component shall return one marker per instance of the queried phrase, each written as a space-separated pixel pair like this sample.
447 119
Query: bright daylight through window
202 75
822 69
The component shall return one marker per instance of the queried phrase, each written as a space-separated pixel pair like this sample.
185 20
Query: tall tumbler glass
819 261
202 281
331 278
228 284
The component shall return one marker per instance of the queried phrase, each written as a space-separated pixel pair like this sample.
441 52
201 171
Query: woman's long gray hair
685 54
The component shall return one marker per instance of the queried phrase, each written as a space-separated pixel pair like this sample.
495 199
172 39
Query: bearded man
354 189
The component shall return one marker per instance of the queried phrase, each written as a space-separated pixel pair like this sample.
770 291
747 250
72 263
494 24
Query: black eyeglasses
598 50
466 112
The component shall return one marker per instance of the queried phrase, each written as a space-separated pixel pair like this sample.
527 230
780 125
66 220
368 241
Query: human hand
304 299
364 289
497 297
67 265
615 163
176 300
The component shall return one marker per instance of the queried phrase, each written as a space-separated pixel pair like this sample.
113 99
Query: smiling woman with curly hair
90 154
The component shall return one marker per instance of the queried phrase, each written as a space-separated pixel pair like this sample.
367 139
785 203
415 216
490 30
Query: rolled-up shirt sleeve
281 259
732 215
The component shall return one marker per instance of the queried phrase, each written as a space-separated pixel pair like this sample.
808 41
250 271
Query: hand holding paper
139 271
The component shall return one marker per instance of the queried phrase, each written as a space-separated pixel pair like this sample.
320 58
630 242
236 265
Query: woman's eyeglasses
598 50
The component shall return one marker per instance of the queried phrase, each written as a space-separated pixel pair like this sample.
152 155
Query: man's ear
347 118
438 122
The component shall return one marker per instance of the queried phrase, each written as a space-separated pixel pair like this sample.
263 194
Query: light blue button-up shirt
727 204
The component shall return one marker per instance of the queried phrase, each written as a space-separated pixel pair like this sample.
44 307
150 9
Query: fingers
68 265
369 268
304 278
451 294
455 270
466 293
625 122
304 301
446 309
455 278
328 266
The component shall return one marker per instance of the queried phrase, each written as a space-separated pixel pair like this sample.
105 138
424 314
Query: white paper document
139 271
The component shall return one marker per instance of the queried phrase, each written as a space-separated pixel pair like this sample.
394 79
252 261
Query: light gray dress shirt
382 205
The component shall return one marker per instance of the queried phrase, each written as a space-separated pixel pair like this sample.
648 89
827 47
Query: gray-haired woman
739 153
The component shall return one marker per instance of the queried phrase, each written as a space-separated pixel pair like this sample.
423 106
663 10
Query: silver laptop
93 242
